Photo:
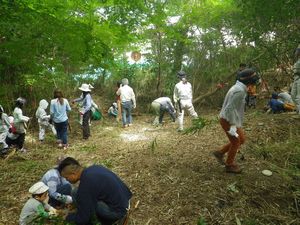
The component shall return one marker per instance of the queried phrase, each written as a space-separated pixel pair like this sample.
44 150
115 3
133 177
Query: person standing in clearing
160 106
119 116
4 128
58 111
295 92
127 101
85 111
43 120
183 98
231 119
20 123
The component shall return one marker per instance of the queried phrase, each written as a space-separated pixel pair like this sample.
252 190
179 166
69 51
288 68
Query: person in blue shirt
101 194
85 111
275 104
58 113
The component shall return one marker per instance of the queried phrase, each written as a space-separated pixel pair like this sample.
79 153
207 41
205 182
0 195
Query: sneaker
60 145
233 169
129 125
65 146
219 156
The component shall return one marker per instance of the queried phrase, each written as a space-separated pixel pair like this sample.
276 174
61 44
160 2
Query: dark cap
248 76
181 74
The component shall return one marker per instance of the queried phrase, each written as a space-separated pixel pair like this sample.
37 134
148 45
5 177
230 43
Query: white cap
85 87
38 188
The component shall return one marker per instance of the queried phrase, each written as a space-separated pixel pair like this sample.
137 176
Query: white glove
232 131
52 212
69 199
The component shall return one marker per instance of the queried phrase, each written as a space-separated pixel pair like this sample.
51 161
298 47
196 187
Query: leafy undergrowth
173 175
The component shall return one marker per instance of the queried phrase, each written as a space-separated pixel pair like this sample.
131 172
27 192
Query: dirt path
174 176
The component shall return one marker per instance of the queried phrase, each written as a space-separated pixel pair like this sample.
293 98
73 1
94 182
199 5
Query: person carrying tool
183 98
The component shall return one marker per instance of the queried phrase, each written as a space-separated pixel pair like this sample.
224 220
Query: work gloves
232 131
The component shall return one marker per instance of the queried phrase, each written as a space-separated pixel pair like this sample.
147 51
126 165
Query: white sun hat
85 87
38 188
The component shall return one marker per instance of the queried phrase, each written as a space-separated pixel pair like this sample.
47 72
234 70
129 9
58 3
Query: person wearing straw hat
85 111
36 208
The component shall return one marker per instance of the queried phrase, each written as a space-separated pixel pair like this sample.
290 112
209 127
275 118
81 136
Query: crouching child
36 209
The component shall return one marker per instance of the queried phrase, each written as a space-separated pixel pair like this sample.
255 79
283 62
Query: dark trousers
85 125
62 131
65 189
19 142
104 213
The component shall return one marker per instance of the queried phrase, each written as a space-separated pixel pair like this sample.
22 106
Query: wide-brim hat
85 88
38 188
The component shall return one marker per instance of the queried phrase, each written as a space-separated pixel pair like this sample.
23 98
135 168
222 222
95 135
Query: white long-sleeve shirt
295 92
183 91
234 104
19 120
126 93
164 101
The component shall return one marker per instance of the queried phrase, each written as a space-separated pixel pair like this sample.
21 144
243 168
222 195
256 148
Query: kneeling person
36 207
100 191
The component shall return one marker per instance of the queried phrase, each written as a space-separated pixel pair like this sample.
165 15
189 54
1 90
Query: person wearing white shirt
160 106
128 102
20 126
183 98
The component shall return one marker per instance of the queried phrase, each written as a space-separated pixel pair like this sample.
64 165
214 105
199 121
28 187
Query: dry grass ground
174 176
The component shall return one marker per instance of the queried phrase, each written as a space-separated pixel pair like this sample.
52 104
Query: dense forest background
53 43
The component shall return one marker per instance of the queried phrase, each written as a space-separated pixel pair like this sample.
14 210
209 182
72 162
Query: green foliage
201 221
197 125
